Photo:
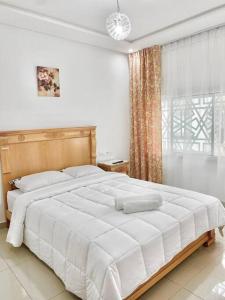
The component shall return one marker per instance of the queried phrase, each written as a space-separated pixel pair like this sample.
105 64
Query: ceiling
148 17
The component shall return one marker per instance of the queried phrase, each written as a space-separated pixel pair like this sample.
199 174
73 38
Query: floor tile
10 288
204 284
14 255
163 290
3 265
185 295
205 255
39 281
217 293
203 258
3 234
65 296
183 273
216 269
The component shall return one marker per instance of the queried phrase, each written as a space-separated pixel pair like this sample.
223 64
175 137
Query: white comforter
101 253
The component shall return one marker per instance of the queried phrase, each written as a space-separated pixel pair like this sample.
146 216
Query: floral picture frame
48 82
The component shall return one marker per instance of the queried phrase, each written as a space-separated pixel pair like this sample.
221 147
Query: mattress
11 198
101 253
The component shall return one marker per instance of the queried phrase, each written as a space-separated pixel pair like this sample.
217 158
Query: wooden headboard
30 151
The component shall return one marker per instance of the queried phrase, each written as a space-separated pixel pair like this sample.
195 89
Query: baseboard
3 225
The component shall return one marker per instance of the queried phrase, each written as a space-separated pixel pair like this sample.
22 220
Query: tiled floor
24 277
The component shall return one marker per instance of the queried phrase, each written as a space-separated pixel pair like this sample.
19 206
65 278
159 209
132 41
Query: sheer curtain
193 112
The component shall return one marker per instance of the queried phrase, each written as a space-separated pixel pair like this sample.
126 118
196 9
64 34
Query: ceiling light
118 25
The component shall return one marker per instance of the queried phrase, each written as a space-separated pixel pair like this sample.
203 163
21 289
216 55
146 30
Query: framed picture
48 82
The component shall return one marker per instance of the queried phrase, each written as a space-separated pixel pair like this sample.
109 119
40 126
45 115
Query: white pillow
81 171
35 181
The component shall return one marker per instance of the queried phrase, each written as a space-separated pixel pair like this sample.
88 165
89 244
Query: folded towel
142 205
120 201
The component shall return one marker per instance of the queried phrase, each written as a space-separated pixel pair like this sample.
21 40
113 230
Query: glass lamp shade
118 26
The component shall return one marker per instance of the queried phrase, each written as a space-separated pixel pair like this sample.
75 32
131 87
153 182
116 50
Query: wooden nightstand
121 167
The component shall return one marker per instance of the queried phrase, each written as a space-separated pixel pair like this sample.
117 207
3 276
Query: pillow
81 171
35 181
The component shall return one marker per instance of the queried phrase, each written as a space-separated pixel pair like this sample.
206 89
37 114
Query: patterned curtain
146 135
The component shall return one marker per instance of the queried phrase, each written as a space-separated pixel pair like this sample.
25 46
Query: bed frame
30 151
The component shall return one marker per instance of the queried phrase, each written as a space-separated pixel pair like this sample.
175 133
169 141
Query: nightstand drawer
120 169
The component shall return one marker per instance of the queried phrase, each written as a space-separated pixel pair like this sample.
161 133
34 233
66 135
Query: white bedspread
101 253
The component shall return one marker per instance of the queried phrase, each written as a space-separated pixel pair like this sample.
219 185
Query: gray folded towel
120 201
139 206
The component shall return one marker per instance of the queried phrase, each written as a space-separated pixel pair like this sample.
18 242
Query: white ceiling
148 17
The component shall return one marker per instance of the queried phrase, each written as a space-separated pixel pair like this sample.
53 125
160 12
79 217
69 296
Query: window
193 127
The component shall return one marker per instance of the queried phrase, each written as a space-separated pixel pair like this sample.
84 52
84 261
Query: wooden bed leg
211 238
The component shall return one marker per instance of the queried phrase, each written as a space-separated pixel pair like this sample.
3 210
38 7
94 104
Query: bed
99 253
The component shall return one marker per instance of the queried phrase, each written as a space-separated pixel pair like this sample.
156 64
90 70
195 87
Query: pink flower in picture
48 82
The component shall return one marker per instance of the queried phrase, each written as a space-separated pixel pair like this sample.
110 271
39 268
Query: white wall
94 88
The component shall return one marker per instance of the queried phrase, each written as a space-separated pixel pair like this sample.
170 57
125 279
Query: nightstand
120 167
